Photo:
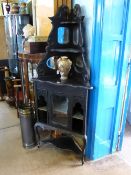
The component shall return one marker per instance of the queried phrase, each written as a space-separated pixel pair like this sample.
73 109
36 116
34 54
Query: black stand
65 141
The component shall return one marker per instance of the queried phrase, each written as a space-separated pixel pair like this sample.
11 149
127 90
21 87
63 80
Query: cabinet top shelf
43 108
69 22
67 50
70 83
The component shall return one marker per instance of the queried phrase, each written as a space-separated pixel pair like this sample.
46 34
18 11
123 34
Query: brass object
25 111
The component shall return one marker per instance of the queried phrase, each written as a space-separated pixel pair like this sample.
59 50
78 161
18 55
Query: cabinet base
64 141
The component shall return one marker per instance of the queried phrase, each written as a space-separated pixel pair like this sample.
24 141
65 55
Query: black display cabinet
62 104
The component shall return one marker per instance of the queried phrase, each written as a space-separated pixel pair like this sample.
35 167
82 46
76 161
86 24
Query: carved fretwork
70 22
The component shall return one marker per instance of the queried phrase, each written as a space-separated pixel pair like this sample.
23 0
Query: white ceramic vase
64 66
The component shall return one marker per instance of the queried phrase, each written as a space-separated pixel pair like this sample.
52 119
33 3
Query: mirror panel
60 110
63 35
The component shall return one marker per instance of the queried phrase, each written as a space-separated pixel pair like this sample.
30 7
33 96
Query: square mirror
60 110
63 35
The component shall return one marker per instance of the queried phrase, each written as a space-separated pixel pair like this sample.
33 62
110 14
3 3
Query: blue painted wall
126 71
106 47
108 70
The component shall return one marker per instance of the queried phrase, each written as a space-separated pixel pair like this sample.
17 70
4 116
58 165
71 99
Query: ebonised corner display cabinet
61 101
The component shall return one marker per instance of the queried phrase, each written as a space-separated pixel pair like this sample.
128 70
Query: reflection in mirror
51 63
75 36
60 110
63 35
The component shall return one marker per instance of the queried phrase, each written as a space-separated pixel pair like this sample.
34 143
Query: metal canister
27 126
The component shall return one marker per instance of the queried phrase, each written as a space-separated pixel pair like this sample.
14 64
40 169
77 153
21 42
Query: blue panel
106 129
113 16
109 64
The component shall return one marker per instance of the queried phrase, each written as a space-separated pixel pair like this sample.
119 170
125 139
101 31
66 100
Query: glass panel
63 35
60 110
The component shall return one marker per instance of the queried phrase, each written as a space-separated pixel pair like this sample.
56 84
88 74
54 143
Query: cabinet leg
83 150
37 136
83 158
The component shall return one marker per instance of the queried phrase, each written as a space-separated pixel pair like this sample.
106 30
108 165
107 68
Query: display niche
61 89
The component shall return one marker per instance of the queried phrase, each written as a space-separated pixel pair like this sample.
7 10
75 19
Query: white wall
44 10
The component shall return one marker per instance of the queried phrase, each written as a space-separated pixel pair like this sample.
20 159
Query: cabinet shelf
70 22
67 50
60 121
43 108
78 116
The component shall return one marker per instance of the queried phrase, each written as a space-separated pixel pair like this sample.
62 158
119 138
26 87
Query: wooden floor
48 160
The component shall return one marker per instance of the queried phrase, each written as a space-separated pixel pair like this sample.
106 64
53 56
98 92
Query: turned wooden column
24 60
